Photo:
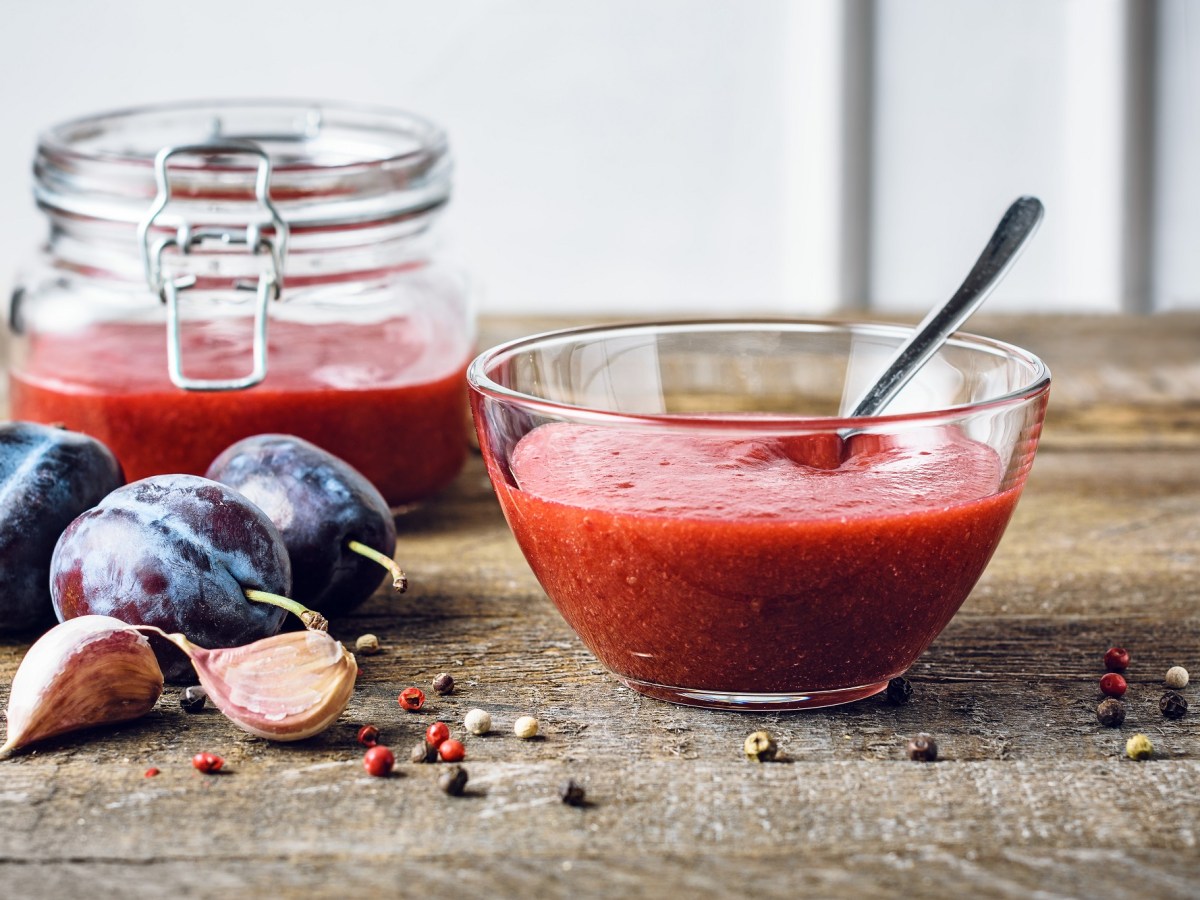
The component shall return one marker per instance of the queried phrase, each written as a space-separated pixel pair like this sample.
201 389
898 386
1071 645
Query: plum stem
399 579
312 619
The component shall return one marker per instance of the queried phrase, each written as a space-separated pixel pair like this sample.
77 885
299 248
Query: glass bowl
715 530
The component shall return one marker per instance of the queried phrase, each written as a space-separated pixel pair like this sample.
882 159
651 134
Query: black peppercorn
444 684
193 698
572 793
923 748
1172 705
899 691
1110 713
453 781
423 752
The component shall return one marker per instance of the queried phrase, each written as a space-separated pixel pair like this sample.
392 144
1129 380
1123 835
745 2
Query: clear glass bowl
717 535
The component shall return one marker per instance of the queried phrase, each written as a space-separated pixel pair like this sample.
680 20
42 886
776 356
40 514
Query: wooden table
1031 796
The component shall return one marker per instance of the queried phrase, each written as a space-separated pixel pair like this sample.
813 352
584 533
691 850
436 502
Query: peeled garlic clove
90 670
283 688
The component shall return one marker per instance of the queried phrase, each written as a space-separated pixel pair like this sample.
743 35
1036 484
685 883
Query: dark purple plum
329 513
178 552
48 476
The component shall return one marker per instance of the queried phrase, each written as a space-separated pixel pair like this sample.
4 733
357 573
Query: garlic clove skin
87 671
282 688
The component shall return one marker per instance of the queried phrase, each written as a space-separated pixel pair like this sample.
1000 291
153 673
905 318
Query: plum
182 553
336 525
48 476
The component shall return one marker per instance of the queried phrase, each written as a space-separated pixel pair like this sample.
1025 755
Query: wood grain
1031 796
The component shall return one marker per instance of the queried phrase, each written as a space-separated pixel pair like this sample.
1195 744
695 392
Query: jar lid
333 164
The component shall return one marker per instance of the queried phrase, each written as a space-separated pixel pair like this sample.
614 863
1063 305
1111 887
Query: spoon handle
1015 228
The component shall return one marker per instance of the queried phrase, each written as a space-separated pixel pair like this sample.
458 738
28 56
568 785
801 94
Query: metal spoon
1015 228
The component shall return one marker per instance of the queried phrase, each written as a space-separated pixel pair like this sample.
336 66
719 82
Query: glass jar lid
332 164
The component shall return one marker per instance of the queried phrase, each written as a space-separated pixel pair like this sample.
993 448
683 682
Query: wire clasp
268 286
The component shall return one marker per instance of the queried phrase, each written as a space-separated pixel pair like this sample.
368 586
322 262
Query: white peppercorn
367 645
525 727
478 721
1177 677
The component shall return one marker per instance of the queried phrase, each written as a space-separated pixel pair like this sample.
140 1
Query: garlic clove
282 688
86 671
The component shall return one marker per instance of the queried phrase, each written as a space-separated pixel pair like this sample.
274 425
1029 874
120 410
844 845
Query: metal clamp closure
268 286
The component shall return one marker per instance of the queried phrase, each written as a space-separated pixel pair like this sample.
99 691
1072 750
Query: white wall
646 156
1177 256
977 104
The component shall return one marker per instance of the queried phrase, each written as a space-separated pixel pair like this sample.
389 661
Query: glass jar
217 270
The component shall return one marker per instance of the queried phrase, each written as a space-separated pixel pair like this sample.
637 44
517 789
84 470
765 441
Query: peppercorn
525 727
151 772
1139 747
572 793
453 781
1177 678
1113 685
1110 713
451 750
1116 659
443 684
1172 705
193 698
208 763
368 735
923 748
478 721
411 698
367 645
436 733
899 691
423 752
760 747
378 761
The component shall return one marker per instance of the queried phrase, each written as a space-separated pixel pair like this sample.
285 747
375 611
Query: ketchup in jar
220 270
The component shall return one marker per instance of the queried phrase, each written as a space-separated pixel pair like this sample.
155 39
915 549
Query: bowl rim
482 384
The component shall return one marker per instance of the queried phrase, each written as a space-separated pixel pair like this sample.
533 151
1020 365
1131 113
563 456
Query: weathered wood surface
1032 797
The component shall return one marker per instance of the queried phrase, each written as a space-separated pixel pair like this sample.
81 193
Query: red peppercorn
411 699
451 750
207 762
1112 685
437 733
1116 659
368 735
151 772
379 761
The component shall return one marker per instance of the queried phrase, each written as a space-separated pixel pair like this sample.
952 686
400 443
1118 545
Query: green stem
399 579
312 620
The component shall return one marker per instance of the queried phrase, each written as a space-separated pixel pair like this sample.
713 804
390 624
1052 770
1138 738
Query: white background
647 156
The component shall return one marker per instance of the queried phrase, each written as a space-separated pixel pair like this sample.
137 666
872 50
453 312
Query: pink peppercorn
411 698
378 761
368 735
1116 659
1113 685
208 763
